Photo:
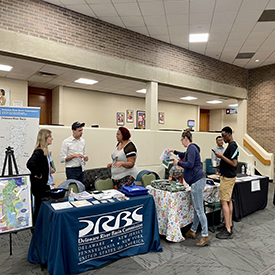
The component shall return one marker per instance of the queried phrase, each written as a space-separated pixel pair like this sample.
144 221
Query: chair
104 184
73 186
208 168
214 206
146 179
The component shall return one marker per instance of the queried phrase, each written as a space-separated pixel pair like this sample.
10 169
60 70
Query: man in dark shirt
228 167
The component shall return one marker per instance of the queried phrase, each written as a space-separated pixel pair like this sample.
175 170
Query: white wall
100 143
219 119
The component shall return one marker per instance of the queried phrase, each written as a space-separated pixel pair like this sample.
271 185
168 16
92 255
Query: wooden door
38 97
204 120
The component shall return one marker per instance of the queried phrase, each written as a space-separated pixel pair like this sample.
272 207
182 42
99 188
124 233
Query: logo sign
110 233
231 111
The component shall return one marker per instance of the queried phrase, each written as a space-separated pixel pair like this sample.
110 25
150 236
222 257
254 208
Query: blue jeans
75 173
197 201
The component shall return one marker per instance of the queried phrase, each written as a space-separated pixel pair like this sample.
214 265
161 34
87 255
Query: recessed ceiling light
5 68
188 98
233 105
198 37
86 81
214 102
257 60
142 91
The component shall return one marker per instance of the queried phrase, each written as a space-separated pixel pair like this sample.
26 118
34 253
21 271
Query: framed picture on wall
130 116
140 119
120 119
161 117
4 97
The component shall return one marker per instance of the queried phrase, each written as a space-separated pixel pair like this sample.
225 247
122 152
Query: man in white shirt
73 153
218 149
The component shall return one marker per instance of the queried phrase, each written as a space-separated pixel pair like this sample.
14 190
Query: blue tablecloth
78 239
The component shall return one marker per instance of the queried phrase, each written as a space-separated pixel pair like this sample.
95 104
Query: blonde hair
187 133
41 142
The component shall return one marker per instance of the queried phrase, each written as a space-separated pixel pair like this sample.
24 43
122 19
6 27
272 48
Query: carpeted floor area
251 251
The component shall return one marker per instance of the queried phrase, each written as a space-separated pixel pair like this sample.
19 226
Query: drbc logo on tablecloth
110 233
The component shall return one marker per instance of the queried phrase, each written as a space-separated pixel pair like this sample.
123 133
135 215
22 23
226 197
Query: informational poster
141 119
15 203
18 129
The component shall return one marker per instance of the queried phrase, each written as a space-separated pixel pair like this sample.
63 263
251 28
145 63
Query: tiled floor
251 251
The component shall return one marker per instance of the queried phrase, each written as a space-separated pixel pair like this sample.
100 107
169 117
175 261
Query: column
151 106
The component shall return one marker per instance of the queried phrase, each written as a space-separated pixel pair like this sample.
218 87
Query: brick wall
43 20
261 106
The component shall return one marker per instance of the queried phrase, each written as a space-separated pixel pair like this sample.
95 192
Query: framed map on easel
15 203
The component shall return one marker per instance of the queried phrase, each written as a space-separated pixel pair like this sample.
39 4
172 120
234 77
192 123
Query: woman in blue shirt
195 177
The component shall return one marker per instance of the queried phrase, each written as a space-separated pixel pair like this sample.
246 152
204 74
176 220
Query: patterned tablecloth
175 210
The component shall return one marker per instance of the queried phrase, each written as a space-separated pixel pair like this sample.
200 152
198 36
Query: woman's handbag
134 190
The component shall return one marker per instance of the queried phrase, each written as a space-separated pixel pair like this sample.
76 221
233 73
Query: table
175 209
247 201
74 240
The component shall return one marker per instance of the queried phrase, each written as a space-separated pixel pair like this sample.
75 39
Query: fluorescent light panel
188 98
214 102
233 105
198 37
5 68
142 91
86 81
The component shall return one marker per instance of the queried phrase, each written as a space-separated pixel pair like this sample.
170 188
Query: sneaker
224 234
222 227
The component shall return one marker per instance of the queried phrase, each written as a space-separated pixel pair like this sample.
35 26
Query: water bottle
243 170
71 196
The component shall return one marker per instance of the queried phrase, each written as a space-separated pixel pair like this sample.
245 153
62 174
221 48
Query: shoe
203 241
190 234
224 234
222 227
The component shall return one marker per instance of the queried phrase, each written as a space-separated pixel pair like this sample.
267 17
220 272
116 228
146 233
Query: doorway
39 97
204 120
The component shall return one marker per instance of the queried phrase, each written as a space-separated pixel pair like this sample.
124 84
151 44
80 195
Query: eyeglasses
181 139
224 135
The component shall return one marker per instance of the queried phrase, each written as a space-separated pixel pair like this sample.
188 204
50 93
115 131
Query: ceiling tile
133 21
141 30
84 9
158 30
72 2
224 17
103 10
115 20
127 9
199 28
176 7
200 6
178 30
177 20
254 4
154 8
227 6
155 21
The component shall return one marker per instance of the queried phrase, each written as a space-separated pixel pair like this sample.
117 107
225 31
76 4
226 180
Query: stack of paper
83 196
81 203
61 205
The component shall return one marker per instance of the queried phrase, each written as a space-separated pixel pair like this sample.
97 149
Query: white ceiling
232 25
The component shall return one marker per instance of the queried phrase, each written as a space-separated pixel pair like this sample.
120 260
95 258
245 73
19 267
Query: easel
11 162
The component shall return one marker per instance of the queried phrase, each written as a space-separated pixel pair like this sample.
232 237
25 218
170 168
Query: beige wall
18 89
219 119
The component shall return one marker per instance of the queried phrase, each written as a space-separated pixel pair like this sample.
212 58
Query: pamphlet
83 196
61 205
81 203
165 158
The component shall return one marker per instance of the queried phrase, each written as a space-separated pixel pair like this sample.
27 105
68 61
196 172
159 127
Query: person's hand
86 158
79 156
219 155
170 150
175 162
38 177
52 171
109 165
118 164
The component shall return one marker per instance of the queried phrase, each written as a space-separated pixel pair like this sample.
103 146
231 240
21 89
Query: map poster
18 129
15 203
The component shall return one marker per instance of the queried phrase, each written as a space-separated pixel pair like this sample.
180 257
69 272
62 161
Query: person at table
73 153
218 149
2 97
228 172
41 170
195 177
123 168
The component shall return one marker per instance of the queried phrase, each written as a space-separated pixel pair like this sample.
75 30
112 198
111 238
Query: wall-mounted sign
231 111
